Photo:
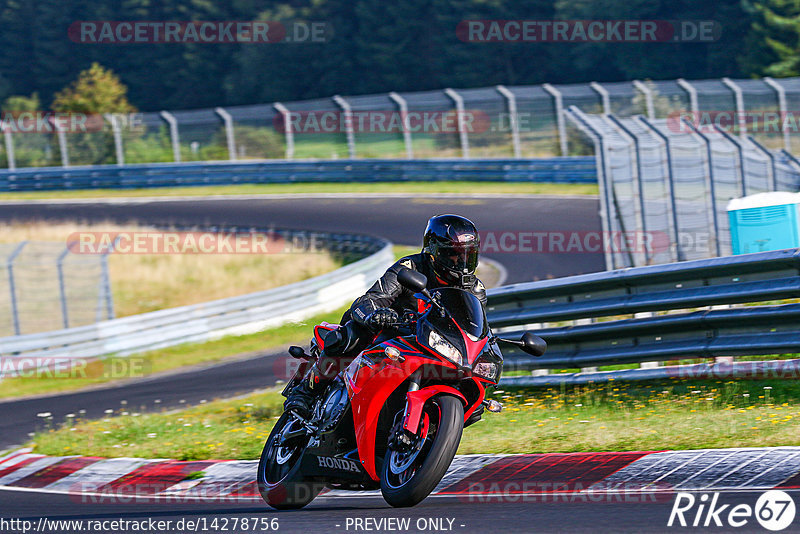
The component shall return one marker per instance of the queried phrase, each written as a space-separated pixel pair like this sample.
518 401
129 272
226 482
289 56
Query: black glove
382 317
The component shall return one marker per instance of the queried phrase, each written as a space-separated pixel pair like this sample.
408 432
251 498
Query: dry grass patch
146 282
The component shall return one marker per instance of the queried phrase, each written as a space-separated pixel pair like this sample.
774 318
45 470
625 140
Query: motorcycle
393 418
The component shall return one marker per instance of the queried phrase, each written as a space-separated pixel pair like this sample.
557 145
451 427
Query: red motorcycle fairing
473 349
415 401
469 410
370 383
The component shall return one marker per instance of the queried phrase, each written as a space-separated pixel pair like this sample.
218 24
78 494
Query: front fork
416 399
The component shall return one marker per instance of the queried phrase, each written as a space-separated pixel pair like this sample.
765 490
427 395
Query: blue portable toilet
766 221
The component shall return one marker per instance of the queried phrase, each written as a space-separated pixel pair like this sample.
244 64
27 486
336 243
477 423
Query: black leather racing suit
388 293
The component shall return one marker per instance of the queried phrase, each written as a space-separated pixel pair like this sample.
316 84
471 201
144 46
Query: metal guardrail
663 300
210 320
572 169
753 370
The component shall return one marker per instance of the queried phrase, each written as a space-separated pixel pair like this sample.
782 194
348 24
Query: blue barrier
566 169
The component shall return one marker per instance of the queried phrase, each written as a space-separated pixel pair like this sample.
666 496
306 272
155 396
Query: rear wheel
280 481
411 473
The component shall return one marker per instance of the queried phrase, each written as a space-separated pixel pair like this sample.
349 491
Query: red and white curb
482 474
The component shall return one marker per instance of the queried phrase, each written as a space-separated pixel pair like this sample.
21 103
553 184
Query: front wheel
280 481
410 474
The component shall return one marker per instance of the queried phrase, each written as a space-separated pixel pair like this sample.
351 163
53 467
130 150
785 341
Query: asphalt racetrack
463 514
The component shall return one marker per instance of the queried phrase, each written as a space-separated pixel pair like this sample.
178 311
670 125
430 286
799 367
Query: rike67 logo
774 510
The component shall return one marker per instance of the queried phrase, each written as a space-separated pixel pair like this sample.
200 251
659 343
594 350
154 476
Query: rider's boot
302 397
339 347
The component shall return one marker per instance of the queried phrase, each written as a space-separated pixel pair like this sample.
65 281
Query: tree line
373 46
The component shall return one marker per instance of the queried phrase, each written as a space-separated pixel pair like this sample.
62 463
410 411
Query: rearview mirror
413 280
533 344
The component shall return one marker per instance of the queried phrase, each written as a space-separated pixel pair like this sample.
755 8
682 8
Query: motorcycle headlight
444 347
486 370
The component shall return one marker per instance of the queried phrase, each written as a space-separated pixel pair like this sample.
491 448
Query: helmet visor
458 257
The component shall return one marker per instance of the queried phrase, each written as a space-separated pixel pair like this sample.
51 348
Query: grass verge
674 414
528 188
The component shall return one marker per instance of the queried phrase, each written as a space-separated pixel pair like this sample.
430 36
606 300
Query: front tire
280 481
419 475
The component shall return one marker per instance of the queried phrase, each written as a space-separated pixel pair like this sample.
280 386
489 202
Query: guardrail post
558 103
735 142
711 187
348 125
105 298
173 135
640 211
576 116
62 142
739 97
513 118
12 288
670 186
403 106
792 159
62 290
462 130
782 110
692 92
229 134
606 98
287 128
116 131
648 98
773 178
12 162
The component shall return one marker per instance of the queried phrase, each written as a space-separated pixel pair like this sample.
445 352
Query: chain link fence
665 184
488 122
44 286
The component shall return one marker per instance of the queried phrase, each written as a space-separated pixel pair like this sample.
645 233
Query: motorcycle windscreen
464 308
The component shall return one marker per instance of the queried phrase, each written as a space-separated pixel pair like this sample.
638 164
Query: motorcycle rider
449 257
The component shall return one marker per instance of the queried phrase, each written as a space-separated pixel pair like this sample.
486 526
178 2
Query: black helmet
451 243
